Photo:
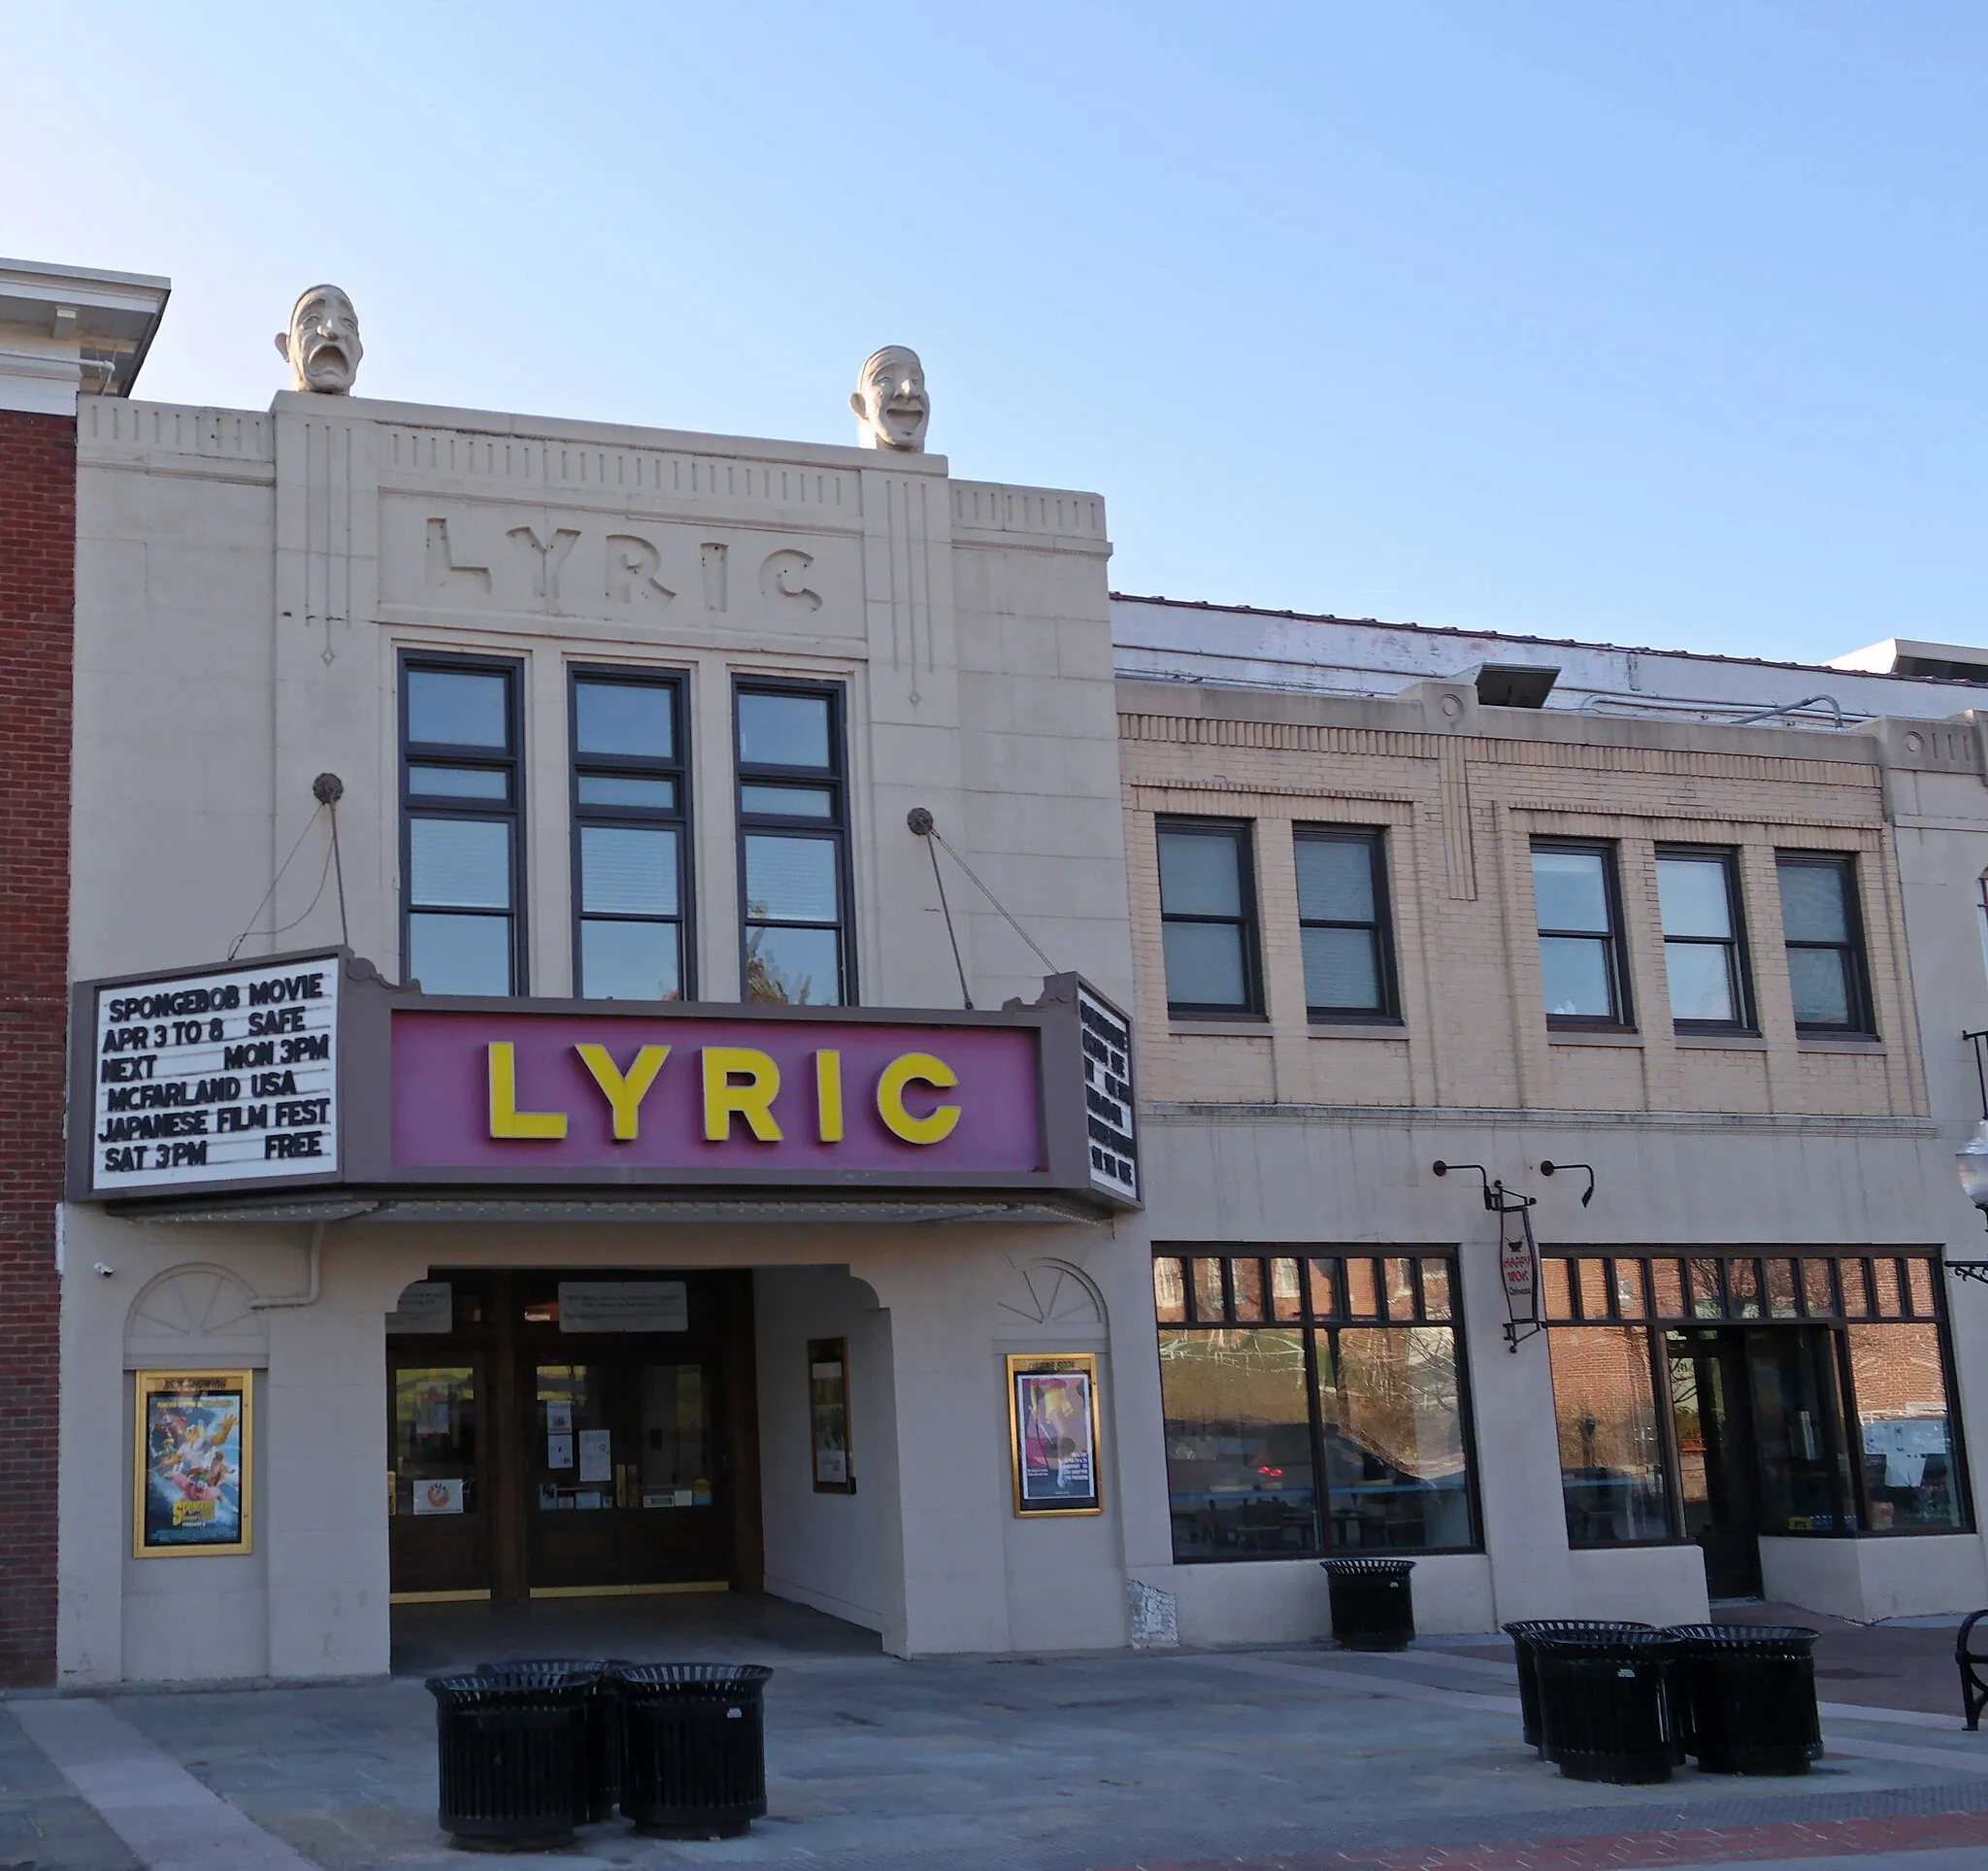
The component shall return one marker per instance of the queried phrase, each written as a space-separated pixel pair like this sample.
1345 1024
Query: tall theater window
631 837
794 844
1825 937
1717 1397
1313 1404
1208 918
461 858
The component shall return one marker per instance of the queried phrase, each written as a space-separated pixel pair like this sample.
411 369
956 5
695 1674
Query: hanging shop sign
310 1071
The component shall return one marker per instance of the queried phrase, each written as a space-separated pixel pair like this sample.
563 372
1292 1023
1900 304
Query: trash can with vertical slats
1373 1603
1605 1706
694 1759
603 1780
1752 1691
512 1752
1524 1636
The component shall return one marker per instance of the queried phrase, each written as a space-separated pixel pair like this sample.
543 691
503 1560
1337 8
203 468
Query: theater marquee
311 1072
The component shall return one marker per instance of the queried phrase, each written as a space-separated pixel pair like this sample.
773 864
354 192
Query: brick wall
37 620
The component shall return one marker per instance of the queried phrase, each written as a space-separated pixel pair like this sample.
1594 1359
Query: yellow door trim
481 1597
629 1591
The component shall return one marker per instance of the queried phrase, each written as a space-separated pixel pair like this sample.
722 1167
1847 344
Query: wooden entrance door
625 1471
439 1534
524 1456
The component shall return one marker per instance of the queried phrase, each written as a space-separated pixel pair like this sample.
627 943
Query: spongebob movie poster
194 1482
1057 1466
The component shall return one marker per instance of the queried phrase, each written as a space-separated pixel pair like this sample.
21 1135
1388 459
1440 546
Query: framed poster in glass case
828 1416
193 1489
1053 1434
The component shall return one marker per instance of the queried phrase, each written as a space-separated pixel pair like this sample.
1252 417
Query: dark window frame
1310 1324
1863 1020
1242 832
438 753
835 778
1834 1319
1727 857
1614 943
682 820
1387 976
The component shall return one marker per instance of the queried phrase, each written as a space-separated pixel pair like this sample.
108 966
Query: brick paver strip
1636 1851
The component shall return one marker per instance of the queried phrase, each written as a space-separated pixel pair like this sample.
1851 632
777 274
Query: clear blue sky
1657 325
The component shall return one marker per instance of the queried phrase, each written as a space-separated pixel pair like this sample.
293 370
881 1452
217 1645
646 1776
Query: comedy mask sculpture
892 408
322 344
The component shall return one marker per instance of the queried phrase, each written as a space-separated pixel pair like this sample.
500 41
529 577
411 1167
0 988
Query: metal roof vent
1511 684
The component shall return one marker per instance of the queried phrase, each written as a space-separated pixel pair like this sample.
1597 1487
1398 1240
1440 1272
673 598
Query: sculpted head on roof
892 408
322 344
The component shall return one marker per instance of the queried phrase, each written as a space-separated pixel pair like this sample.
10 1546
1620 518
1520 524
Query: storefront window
1390 1415
1611 1472
1348 1434
1808 1395
1239 1445
1904 1439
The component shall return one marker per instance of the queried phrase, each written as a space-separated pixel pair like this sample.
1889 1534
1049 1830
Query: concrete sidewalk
1297 1758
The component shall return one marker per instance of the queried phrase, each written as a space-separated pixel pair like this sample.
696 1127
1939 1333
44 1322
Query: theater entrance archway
560 1433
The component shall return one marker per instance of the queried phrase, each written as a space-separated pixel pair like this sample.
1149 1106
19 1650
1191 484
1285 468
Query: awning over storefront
307 1087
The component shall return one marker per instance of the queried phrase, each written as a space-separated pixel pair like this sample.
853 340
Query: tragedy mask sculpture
892 408
322 344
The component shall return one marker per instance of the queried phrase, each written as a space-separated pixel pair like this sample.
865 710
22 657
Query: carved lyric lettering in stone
779 578
713 556
569 565
892 408
443 573
632 563
546 557
321 345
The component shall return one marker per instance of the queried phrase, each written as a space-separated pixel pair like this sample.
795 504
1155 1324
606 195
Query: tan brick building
1372 932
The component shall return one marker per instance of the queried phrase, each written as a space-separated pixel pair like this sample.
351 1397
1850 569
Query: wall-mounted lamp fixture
1973 1162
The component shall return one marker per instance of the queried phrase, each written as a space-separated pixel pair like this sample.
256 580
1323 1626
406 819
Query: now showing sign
226 1076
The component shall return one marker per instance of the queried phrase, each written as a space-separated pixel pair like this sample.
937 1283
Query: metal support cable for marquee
921 824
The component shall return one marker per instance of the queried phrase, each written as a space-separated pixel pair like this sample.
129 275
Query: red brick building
63 332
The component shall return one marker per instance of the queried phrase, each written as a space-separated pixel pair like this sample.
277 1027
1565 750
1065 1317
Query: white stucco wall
824 1549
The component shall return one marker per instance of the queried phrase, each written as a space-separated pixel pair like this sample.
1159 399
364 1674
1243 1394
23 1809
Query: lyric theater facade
598 1187
607 973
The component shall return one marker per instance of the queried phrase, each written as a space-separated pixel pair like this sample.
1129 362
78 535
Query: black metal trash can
693 1748
513 1757
1605 1709
1752 1691
1373 1603
1526 1656
602 1776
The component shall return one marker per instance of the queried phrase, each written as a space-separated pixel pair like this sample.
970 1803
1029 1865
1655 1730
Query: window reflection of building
1846 1382
1312 1406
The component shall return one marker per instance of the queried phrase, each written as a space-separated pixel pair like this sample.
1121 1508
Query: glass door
1805 1469
438 1538
1715 1459
623 1484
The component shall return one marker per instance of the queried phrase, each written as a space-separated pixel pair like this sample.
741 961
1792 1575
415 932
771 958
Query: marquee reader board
313 1072
224 1076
